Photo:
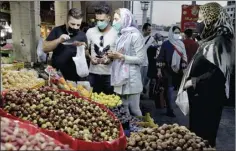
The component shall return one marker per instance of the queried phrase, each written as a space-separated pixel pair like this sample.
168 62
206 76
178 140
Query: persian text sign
189 17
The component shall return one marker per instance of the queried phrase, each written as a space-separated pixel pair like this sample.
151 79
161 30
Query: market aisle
226 134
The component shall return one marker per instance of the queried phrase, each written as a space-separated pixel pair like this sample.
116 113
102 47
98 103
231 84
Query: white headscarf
119 69
128 26
179 45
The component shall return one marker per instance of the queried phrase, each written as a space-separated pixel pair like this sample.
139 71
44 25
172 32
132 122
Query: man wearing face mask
62 54
171 62
101 38
148 41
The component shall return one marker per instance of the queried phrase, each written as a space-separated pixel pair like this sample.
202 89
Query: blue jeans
101 83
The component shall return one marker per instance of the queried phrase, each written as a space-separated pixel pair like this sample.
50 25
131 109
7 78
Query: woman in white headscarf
128 57
171 62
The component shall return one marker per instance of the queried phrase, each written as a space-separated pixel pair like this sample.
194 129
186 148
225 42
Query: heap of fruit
20 79
6 60
124 118
54 110
107 100
135 123
166 137
15 138
62 84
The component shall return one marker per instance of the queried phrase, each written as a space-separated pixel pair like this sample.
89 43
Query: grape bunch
125 118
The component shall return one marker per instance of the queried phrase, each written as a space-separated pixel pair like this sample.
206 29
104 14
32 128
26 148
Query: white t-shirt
146 46
109 38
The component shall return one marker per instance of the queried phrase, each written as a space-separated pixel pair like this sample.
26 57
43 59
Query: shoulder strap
147 40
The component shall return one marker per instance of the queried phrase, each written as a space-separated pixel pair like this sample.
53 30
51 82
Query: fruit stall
40 110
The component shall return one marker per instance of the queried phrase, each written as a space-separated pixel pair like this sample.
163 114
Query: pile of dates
15 138
53 110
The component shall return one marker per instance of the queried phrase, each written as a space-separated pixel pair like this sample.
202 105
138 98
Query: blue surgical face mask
116 25
102 24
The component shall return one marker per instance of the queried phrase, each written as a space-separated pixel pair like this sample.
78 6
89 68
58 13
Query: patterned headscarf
128 26
127 20
216 20
214 47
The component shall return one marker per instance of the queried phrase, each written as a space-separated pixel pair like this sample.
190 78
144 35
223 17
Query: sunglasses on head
101 41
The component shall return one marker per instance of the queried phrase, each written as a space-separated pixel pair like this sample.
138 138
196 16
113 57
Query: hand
63 37
159 74
78 43
115 55
188 84
94 61
105 60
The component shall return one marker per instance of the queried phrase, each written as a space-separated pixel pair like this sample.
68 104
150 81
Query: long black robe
207 96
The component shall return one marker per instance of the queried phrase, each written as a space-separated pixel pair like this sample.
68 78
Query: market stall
40 101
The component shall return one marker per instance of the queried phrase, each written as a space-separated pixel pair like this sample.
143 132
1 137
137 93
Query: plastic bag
81 63
183 102
41 55
120 73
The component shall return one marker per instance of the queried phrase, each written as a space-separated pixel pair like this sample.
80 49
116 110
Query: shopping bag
183 102
120 73
80 62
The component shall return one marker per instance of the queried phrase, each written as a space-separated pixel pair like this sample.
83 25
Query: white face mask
159 42
177 36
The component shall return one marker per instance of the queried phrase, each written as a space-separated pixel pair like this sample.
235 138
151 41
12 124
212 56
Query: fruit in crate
15 138
54 110
166 137
107 100
83 91
124 117
20 79
6 60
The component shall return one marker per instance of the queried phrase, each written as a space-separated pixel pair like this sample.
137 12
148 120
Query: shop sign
189 17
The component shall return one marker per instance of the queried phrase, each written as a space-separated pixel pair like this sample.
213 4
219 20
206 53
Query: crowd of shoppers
123 60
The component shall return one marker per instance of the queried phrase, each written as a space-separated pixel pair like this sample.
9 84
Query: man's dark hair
75 13
102 8
146 25
188 33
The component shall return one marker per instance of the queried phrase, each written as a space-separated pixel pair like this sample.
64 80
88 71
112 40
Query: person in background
207 76
148 41
171 62
101 38
62 54
84 27
190 45
130 54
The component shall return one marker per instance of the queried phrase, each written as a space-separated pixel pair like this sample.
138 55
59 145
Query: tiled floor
226 132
